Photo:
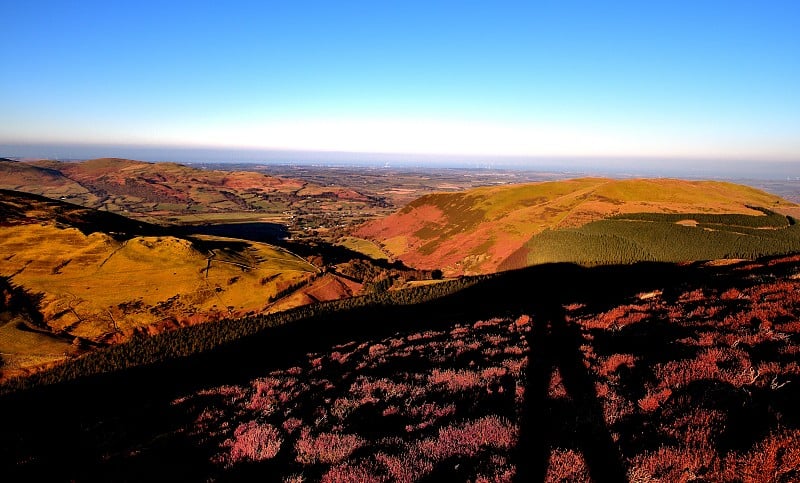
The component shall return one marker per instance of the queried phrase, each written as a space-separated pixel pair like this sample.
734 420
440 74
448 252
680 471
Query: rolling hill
485 229
93 277
20 176
556 372
171 192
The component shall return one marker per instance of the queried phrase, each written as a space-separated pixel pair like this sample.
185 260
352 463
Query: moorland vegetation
641 372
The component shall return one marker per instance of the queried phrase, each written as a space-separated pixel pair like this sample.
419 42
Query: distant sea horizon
578 165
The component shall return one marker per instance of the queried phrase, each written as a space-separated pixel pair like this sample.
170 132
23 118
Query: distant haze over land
588 165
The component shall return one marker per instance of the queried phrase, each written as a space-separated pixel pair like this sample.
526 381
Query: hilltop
485 229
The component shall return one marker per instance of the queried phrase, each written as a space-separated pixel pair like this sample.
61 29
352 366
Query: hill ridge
474 231
177 193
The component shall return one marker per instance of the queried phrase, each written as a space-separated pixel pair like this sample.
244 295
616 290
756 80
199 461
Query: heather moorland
670 373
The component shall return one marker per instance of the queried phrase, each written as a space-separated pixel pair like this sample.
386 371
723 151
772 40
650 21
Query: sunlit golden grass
363 246
22 348
93 286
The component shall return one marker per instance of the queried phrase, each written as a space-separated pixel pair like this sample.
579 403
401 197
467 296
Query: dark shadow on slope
279 235
252 231
15 207
335 254
555 344
122 426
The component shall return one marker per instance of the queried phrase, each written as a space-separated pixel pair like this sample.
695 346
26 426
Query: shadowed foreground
554 373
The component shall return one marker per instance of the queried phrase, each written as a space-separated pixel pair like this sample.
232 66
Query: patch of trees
770 219
193 340
657 237
358 269
585 248
290 289
382 276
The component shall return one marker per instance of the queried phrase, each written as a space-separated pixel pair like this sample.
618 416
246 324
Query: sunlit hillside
97 286
476 231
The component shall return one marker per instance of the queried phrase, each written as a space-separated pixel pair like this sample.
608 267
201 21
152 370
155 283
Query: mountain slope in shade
475 231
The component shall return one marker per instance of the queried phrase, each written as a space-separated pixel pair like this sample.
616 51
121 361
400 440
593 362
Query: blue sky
684 79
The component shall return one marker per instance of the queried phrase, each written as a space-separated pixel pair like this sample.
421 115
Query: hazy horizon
711 82
578 165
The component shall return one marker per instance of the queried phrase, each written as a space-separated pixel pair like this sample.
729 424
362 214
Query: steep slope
22 208
475 231
100 277
24 342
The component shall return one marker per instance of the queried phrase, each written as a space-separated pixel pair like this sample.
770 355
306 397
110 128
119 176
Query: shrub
327 448
254 442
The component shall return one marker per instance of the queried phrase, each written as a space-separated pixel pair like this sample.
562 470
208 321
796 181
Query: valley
108 249
104 251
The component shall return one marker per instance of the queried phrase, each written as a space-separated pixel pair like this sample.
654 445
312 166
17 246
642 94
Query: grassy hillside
101 278
24 342
41 180
477 230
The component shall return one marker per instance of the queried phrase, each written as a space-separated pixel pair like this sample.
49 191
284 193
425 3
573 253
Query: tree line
188 341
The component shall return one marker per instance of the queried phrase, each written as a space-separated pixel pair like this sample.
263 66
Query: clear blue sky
700 79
